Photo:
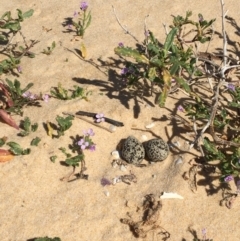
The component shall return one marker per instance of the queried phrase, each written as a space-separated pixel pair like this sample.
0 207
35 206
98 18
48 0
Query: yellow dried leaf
83 50
49 129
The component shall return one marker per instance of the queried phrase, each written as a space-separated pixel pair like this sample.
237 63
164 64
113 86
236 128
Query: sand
33 200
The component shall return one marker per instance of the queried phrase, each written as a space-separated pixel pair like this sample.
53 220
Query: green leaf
64 123
169 40
53 158
26 124
20 16
89 19
77 92
28 14
3 141
129 52
3 38
14 26
27 88
68 155
35 141
26 151
7 14
15 148
53 45
74 161
34 127
183 84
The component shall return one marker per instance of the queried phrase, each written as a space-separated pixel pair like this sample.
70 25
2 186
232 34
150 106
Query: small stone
156 150
112 128
107 193
149 126
144 137
115 154
132 151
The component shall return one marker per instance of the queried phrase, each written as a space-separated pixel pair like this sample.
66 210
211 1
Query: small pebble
123 168
112 128
116 180
179 160
107 193
115 154
149 126
144 137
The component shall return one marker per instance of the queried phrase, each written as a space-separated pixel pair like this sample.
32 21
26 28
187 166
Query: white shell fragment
115 154
116 180
123 168
107 193
176 143
149 126
144 137
112 128
179 160
167 195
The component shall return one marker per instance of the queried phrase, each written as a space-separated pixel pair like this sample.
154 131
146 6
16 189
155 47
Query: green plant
13 99
9 27
28 127
63 94
35 141
84 19
17 150
161 64
49 50
80 144
63 125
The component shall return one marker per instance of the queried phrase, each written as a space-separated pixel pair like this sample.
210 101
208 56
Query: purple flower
69 26
19 69
75 14
228 178
83 6
45 97
100 117
83 144
120 44
231 87
26 94
92 147
89 132
204 233
146 33
180 108
33 97
105 182
124 71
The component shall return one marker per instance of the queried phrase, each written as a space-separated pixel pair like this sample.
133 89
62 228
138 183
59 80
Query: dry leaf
6 118
83 50
5 155
49 129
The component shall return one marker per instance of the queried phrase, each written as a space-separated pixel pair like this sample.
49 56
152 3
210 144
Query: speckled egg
156 150
132 151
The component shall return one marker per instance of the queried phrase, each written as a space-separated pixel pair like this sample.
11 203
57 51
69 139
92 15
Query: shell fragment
149 126
115 155
167 195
